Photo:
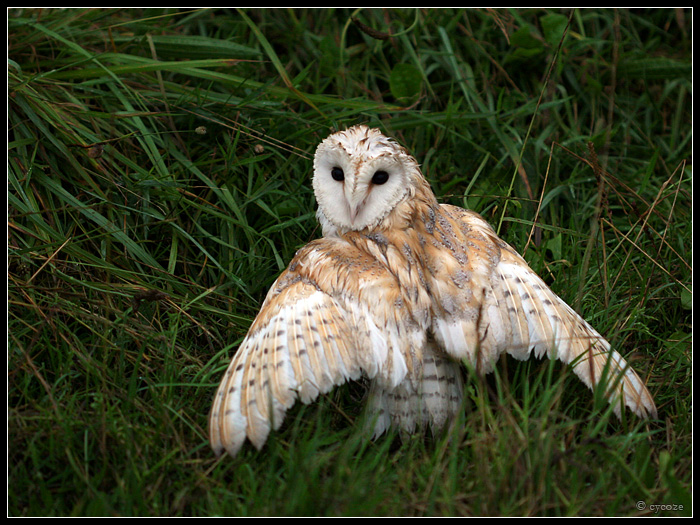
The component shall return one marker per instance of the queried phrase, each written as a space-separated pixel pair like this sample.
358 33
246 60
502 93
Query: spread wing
489 301
333 315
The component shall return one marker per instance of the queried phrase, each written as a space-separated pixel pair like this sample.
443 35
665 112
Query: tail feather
428 398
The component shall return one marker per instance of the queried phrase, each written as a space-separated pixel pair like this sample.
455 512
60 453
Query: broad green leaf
405 82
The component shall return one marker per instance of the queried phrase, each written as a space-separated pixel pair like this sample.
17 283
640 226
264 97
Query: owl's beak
355 204
353 212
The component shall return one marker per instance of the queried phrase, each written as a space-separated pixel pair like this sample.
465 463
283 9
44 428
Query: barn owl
403 291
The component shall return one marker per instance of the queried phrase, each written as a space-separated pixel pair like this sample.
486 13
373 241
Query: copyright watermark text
659 507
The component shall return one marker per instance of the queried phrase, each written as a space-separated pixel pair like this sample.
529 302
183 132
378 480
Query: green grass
159 168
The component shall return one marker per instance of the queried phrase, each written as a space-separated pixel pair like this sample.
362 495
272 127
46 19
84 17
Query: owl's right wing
329 318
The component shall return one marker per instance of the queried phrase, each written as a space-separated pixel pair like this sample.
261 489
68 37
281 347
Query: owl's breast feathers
403 305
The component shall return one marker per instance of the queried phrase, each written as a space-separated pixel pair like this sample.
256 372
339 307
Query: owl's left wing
332 316
489 302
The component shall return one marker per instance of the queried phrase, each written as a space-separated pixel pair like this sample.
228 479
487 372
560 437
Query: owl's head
360 177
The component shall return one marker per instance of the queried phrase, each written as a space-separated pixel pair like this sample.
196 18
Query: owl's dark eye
380 177
338 174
